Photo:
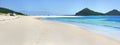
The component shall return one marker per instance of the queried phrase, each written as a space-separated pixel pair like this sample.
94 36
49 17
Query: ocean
108 26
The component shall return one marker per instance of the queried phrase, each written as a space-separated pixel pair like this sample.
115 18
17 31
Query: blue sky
60 6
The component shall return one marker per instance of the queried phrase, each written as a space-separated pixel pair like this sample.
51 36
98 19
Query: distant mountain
87 12
5 11
113 12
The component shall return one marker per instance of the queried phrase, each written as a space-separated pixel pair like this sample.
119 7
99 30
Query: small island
89 12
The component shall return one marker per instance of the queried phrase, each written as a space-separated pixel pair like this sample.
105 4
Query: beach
30 30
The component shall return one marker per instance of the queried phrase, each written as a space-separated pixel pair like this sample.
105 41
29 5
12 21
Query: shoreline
28 30
92 28
78 26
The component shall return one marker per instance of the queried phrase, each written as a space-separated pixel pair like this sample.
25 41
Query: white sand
30 31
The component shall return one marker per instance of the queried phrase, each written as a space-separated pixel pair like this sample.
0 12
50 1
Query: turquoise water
108 26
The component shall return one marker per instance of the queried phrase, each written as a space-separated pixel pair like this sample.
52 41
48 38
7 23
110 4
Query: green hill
5 11
87 12
113 12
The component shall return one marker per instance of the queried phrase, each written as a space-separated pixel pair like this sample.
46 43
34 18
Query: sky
61 7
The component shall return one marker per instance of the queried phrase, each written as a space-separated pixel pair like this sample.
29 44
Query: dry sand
30 31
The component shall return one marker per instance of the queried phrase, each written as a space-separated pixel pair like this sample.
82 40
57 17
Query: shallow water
108 26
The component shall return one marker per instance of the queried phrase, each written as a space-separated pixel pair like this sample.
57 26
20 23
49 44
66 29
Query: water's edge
91 28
